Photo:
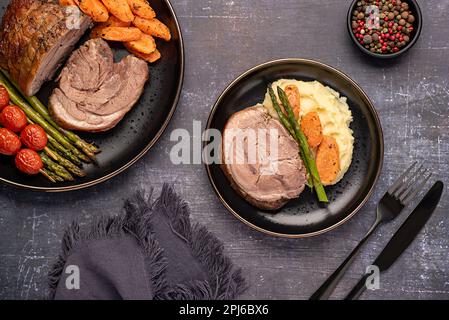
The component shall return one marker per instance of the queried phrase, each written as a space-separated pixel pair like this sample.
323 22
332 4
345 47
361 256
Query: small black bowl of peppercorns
384 28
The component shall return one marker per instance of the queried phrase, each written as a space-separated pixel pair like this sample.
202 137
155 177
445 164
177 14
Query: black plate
138 131
304 217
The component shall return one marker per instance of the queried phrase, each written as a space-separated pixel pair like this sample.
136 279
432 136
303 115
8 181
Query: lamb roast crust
35 39
17 14
277 201
94 93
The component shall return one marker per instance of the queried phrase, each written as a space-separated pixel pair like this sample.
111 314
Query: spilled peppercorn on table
223 39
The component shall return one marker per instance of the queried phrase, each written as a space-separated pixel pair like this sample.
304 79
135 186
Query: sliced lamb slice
95 93
285 178
59 43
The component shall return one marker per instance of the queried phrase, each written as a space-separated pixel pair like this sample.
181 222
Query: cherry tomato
28 161
34 137
13 118
9 142
4 97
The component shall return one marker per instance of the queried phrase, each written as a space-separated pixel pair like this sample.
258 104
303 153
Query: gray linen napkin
152 251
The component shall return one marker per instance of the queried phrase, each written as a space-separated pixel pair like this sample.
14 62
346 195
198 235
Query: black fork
398 196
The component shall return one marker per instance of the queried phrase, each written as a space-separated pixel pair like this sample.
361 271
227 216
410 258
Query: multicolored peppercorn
383 26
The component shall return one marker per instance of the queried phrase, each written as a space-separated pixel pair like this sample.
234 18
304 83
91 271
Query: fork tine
413 179
400 180
408 198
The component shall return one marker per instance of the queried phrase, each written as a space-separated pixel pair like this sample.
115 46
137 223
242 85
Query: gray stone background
223 38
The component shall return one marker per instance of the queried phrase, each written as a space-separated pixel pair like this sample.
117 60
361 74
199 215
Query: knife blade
404 236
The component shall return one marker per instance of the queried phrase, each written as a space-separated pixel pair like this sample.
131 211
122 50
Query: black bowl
139 130
303 217
414 8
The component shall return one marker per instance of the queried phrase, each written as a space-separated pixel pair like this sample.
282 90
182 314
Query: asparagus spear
50 153
55 176
47 175
290 129
56 168
319 188
50 175
42 110
63 151
34 116
60 149
65 163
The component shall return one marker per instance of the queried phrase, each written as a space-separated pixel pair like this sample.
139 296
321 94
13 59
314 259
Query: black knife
404 236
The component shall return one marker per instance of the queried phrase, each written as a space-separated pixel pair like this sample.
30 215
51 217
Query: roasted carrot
94 9
328 160
113 21
294 98
124 34
312 128
152 57
153 27
120 9
145 44
142 9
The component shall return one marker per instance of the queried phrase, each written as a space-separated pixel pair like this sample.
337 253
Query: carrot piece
146 44
294 98
120 33
142 9
312 128
152 57
153 27
328 160
94 9
120 9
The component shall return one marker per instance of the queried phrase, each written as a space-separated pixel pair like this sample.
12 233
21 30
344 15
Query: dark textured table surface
223 39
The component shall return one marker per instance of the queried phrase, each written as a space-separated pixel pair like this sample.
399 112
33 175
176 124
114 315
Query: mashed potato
333 111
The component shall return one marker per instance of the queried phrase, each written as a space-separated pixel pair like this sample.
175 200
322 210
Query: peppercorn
367 39
411 19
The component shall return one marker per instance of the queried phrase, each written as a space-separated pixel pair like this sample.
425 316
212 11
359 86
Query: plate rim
377 123
147 147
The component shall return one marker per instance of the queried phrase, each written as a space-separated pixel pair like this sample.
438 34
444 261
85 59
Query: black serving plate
138 131
304 216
